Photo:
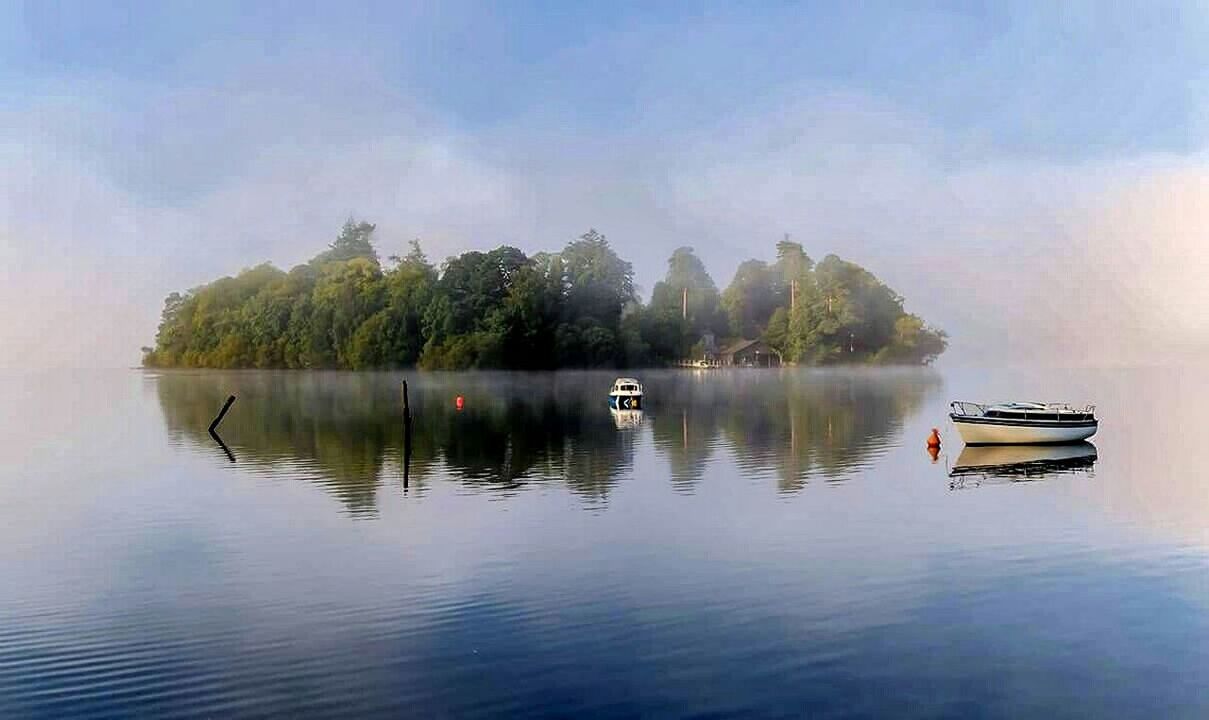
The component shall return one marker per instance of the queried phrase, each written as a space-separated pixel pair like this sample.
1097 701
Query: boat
1023 423
626 394
1023 462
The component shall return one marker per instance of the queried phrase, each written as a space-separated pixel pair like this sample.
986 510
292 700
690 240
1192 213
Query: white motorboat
1023 423
626 394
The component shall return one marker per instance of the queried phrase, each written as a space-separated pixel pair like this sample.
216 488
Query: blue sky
151 146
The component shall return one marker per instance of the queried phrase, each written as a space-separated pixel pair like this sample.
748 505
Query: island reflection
343 431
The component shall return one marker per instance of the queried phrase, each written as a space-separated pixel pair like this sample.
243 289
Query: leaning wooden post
222 413
406 436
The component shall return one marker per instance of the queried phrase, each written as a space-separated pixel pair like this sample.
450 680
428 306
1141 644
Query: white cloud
1088 262
1019 260
88 259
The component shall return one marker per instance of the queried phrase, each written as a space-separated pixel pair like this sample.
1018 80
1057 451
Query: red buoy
459 402
934 439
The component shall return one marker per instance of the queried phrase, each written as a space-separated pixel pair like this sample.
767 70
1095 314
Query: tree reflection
344 431
799 424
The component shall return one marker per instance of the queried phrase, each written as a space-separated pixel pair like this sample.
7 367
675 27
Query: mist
1041 224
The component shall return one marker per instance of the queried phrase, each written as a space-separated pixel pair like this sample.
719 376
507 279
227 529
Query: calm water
757 543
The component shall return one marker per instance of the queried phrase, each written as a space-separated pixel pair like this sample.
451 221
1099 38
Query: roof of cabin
739 346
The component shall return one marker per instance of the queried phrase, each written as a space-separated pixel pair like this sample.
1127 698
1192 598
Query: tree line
578 307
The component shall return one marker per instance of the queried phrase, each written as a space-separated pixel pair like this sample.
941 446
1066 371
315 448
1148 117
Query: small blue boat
626 394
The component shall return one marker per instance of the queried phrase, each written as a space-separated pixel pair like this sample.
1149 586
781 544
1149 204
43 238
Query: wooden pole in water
222 413
406 437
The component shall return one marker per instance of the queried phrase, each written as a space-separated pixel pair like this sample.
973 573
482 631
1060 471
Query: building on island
750 353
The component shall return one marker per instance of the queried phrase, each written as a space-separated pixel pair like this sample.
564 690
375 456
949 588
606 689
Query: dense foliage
503 309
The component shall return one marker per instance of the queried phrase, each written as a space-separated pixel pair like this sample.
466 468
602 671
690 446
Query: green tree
470 288
354 241
598 282
502 309
914 343
347 294
686 300
750 299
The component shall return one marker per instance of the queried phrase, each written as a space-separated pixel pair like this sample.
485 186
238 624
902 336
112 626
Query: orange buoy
459 402
934 439
934 453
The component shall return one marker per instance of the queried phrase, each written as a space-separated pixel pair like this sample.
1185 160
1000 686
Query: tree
409 291
686 300
347 294
598 282
354 241
470 288
914 343
574 308
750 299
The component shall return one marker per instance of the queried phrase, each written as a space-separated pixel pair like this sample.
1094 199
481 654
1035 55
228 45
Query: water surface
756 543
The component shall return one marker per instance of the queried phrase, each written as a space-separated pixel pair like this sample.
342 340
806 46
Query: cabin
750 353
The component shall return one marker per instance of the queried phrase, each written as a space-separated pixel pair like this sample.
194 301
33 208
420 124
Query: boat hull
625 402
990 431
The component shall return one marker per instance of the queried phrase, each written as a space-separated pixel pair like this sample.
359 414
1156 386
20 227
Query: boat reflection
626 419
978 465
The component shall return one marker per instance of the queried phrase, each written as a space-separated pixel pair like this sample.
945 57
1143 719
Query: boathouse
750 353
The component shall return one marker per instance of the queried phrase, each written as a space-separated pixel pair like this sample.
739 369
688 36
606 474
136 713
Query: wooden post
406 437
222 413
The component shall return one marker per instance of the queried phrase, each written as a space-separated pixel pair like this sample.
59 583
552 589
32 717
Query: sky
1031 177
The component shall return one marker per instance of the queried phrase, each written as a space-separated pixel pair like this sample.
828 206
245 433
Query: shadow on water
344 431
982 465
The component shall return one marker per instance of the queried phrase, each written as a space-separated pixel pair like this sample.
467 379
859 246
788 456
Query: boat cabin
1037 411
627 386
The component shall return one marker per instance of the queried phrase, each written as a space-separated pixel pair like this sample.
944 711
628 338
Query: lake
757 543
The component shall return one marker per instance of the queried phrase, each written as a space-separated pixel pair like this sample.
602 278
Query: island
347 309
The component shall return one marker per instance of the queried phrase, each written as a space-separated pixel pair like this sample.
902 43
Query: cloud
113 194
90 243
1021 260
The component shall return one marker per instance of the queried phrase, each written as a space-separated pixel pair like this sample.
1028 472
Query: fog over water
755 543
1025 178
